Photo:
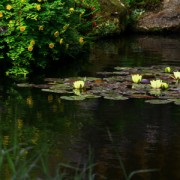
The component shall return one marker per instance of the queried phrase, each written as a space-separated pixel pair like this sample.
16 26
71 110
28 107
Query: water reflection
145 136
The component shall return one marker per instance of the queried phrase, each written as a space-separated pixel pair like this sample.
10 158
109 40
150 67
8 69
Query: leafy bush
33 32
143 4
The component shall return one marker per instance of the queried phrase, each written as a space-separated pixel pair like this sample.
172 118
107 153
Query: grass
15 164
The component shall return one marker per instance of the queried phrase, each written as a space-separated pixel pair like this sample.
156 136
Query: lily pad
158 101
115 97
73 98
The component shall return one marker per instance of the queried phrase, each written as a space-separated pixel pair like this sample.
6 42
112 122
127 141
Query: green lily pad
91 96
158 101
25 85
115 97
73 98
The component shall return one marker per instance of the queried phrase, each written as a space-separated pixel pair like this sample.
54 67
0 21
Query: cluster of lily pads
155 84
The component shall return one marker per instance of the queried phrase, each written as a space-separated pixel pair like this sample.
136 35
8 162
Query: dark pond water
145 136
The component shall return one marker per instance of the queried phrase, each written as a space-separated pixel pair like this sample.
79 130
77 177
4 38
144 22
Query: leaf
73 98
115 97
158 101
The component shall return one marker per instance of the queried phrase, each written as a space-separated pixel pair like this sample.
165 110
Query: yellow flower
67 46
71 10
41 28
56 34
77 92
164 85
9 7
39 0
81 40
1 14
30 48
156 84
177 75
61 41
38 7
167 69
32 42
136 78
51 45
19 123
5 140
22 28
66 26
78 84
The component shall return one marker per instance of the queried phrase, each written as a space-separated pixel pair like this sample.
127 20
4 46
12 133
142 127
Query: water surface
145 136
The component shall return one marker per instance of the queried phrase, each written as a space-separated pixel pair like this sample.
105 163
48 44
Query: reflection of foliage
37 120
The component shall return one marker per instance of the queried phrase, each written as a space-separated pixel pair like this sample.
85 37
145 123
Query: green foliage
33 32
143 4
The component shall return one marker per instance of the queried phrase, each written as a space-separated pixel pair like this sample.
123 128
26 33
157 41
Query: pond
110 133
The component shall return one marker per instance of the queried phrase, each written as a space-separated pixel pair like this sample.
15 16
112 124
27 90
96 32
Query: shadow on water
146 136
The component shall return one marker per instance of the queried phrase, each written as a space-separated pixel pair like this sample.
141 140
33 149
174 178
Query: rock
166 19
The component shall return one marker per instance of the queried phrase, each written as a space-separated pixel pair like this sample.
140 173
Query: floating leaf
91 96
158 101
115 97
73 98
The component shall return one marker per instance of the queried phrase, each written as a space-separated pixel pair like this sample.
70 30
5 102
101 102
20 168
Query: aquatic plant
118 85
177 75
156 84
136 78
164 85
78 84
167 69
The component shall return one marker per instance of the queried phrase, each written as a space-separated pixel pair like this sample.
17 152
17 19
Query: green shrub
34 32
143 4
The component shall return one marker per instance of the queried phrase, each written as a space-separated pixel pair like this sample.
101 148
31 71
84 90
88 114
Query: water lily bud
167 69
164 85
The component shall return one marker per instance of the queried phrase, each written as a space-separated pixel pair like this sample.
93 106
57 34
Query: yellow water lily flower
177 75
9 7
51 45
136 78
1 14
167 69
78 84
22 28
156 84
